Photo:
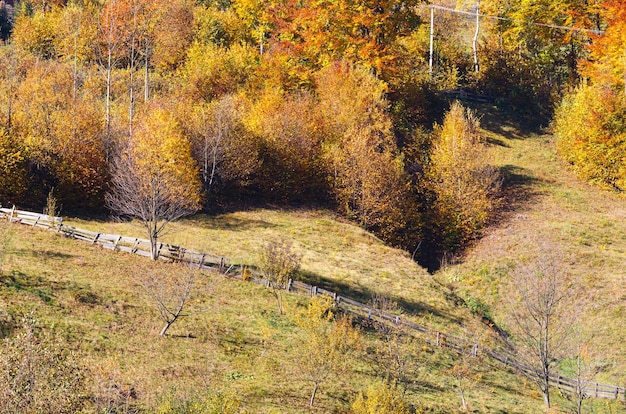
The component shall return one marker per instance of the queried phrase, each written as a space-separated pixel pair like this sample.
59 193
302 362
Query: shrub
209 402
381 398
279 263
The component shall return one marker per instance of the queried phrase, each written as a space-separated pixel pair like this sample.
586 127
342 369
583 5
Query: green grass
240 345
547 202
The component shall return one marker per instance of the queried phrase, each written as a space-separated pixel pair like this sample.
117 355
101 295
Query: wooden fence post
437 339
289 283
116 242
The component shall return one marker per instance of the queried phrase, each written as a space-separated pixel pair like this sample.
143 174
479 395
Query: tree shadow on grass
507 122
367 296
519 191
47 290
36 285
227 223
40 253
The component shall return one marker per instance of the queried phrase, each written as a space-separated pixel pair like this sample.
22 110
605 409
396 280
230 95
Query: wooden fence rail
224 265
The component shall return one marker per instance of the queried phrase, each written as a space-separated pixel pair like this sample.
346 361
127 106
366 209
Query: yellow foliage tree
591 134
212 71
155 179
291 151
589 123
461 179
328 343
13 170
365 170
35 33
227 153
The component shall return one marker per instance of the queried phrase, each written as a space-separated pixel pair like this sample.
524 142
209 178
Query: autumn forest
331 103
368 132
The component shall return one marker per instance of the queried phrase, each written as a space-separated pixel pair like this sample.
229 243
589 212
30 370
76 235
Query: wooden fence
464 95
240 271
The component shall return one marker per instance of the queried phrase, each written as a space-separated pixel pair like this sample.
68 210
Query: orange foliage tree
320 32
589 123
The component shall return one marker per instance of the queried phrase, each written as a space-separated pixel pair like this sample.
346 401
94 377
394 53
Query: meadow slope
239 346
548 206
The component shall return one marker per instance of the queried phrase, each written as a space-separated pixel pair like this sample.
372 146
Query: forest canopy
340 103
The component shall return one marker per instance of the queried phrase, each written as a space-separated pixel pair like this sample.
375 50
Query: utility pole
476 37
432 34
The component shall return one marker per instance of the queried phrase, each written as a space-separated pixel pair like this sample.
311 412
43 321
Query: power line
550 26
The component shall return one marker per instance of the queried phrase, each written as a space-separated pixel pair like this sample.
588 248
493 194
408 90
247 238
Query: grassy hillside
239 346
240 349
547 204
335 255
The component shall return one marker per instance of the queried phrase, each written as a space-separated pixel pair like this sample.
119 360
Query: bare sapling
540 315
279 263
172 292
